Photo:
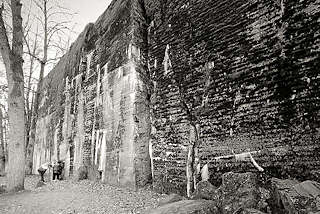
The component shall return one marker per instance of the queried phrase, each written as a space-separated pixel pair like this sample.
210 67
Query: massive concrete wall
245 74
189 80
95 97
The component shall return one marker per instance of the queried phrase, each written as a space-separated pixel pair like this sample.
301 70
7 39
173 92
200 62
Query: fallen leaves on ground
71 197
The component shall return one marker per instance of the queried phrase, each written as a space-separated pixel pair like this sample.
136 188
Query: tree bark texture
2 151
13 61
43 63
29 149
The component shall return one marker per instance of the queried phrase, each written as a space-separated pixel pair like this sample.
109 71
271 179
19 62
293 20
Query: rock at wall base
239 191
263 204
205 190
187 207
291 197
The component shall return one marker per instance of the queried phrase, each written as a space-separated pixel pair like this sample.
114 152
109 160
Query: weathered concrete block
205 190
239 191
293 197
264 201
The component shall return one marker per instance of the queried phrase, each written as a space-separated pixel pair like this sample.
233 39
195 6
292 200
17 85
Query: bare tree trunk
2 152
192 158
6 139
29 149
29 123
13 63
43 63
28 110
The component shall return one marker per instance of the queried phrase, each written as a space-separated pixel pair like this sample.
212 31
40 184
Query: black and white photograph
160 106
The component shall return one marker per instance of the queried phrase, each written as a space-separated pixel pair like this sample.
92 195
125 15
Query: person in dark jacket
56 171
61 172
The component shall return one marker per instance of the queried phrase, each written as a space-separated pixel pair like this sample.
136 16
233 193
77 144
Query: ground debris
72 197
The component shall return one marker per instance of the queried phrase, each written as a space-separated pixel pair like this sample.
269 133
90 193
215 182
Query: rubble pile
240 193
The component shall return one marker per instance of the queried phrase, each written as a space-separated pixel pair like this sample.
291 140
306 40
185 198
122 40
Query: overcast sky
86 11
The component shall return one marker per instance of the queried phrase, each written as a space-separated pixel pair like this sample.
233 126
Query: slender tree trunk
2 152
28 110
43 62
193 158
29 149
6 139
32 135
13 63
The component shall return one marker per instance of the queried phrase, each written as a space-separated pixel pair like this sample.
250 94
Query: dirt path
76 197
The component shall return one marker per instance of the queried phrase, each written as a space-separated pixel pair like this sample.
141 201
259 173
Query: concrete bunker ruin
154 84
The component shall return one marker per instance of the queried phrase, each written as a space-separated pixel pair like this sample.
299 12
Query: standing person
42 169
61 170
56 170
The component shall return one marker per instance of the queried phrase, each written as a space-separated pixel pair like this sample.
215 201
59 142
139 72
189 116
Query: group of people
57 168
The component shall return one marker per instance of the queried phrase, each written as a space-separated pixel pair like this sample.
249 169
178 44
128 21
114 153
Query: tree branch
17 33
4 42
33 56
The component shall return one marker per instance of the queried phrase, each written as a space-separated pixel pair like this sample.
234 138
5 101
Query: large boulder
187 207
291 197
265 197
205 190
239 191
